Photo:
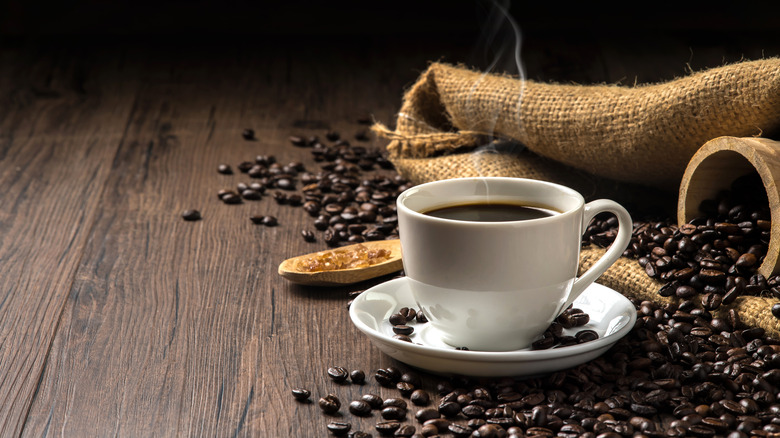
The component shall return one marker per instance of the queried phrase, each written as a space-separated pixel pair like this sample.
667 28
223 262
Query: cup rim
400 204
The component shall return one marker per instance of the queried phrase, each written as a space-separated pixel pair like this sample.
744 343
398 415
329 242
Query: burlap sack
643 134
631 144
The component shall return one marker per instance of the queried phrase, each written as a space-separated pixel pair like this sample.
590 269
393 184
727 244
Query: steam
499 48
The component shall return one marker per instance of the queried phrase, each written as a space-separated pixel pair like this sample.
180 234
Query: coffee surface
490 212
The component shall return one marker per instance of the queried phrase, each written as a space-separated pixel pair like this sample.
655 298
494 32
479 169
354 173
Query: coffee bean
406 430
330 404
397 319
373 400
301 394
459 430
406 389
586 336
191 215
403 330
338 374
387 427
225 169
248 134
360 408
339 428
231 198
449 409
426 414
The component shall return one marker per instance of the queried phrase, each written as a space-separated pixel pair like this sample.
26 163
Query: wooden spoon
289 268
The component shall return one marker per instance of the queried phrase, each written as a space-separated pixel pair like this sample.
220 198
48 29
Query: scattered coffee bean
373 400
308 236
338 374
231 198
248 134
420 397
339 428
301 394
393 413
387 427
357 376
191 215
225 169
360 408
330 404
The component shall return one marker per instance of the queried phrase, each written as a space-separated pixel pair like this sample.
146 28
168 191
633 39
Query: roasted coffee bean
225 169
426 414
251 195
459 430
191 215
420 397
308 236
301 394
387 427
330 404
360 408
586 336
403 330
406 389
373 400
357 376
339 428
338 374
397 319
231 198
449 409
406 430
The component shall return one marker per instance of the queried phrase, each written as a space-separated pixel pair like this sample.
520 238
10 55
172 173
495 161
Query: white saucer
612 316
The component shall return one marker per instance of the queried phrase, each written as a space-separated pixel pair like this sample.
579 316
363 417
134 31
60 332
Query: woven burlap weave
631 144
643 134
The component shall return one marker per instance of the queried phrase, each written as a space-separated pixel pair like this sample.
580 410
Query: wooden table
119 318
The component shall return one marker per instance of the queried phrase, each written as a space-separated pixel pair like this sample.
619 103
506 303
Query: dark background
471 28
685 36
297 18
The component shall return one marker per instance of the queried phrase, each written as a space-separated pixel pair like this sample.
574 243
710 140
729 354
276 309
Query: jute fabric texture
643 134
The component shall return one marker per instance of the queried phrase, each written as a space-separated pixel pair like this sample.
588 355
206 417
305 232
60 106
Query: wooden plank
184 328
54 142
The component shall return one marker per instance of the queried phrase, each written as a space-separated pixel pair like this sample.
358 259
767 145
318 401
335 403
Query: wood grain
56 138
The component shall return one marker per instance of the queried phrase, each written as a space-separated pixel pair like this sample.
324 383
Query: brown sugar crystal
355 256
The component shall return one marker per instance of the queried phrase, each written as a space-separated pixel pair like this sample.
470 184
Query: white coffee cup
497 286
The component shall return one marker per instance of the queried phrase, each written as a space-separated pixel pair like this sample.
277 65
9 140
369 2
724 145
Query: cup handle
625 229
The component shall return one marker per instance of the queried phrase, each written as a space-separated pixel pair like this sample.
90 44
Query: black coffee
491 212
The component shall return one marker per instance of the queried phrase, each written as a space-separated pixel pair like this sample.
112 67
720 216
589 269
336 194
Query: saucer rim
524 355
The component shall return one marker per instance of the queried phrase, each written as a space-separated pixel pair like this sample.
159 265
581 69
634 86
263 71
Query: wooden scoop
289 268
717 164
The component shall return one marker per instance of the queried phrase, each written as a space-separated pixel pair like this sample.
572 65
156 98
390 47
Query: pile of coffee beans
711 260
675 374
681 371
351 198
